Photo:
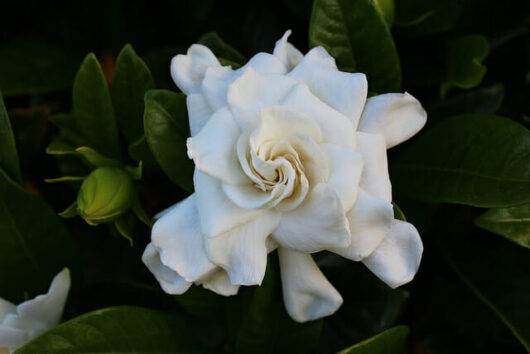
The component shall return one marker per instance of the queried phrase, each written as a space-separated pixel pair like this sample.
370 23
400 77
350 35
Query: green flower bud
105 193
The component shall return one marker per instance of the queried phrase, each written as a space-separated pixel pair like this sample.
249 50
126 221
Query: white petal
242 251
307 294
214 149
199 112
217 213
264 63
12 337
375 179
286 52
370 222
215 85
277 122
346 92
188 70
336 127
219 282
318 223
346 166
397 116
169 280
253 91
398 257
48 308
5 308
177 236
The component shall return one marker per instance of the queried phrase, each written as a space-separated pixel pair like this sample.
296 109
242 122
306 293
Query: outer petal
6 308
346 167
215 85
370 222
398 257
253 91
214 149
375 179
286 52
219 282
242 251
307 294
397 116
264 63
12 337
336 127
199 112
318 223
217 213
346 92
188 70
48 308
177 235
169 280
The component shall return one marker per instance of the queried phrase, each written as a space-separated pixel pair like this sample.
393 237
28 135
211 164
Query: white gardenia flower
20 324
290 154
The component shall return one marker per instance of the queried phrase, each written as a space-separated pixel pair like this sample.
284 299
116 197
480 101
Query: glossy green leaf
391 341
221 49
93 108
356 35
30 66
499 277
166 130
464 57
132 79
479 160
34 244
8 148
426 17
512 223
123 329
267 328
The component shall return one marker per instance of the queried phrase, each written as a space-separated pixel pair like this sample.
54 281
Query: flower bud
105 193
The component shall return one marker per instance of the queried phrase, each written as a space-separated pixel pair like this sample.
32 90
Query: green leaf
398 213
391 341
93 108
139 151
166 130
132 79
355 34
34 243
512 223
485 100
94 158
499 277
221 49
478 160
363 313
464 56
426 17
31 66
122 329
387 10
8 148
267 328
